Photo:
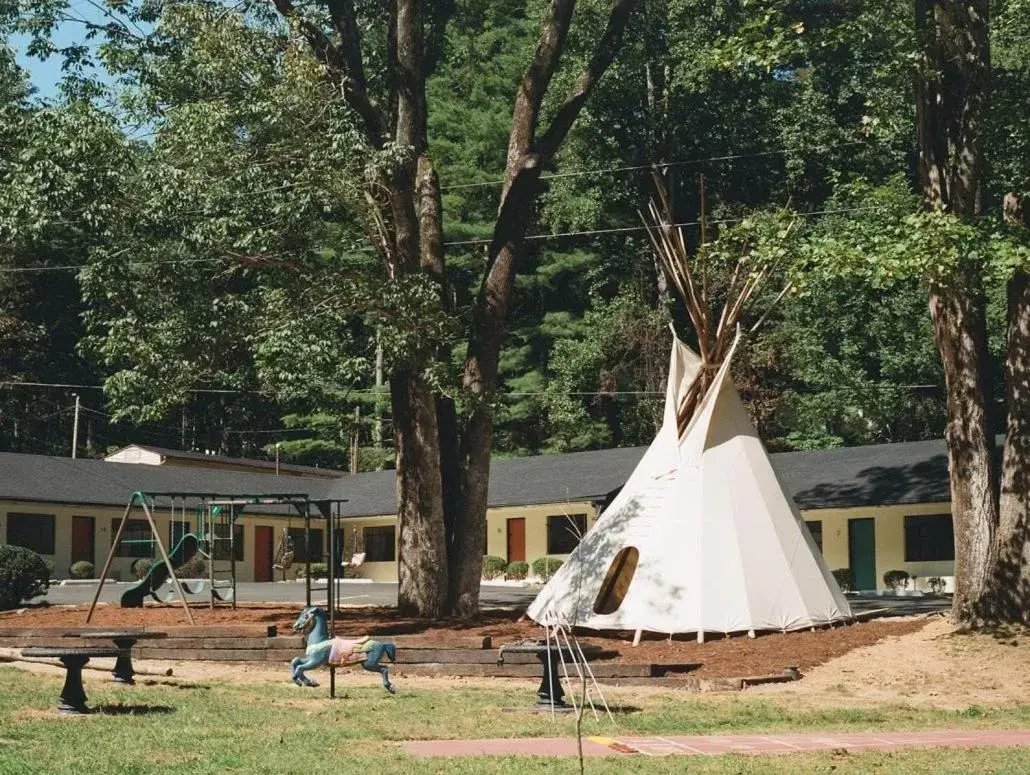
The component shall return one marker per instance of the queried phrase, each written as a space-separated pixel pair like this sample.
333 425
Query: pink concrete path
716 745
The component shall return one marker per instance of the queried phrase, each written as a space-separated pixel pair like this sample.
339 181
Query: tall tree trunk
432 259
441 483
480 381
418 247
421 571
951 99
1013 571
529 152
657 74
959 327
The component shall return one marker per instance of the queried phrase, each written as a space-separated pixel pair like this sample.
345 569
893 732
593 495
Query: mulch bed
735 656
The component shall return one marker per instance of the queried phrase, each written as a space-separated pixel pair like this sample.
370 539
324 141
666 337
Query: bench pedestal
73 697
123 672
550 695
124 639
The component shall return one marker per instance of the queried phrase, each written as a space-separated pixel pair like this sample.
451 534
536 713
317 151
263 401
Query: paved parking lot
351 593
365 593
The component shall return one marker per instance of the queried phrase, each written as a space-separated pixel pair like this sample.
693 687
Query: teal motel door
862 552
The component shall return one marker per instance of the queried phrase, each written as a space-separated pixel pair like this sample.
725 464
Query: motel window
136 531
31 531
221 548
929 538
564 532
300 551
380 543
815 527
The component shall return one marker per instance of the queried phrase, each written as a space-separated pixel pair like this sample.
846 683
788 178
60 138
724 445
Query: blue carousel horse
321 648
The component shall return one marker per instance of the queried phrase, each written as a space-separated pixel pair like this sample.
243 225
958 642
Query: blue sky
46 74
43 74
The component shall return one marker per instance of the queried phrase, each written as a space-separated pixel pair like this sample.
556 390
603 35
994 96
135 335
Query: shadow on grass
121 709
175 684
621 710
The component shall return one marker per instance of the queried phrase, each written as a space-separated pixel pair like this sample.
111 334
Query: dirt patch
150 615
914 662
32 714
768 654
732 657
932 666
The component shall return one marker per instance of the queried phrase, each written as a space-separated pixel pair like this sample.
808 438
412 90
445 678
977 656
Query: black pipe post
330 576
307 553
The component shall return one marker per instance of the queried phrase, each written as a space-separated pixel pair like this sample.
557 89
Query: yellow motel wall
888 529
105 525
535 528
889 533
497 526
353 541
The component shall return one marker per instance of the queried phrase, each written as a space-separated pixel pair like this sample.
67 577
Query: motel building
870 509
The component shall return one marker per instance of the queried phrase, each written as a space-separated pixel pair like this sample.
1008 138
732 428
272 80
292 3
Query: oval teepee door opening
616 581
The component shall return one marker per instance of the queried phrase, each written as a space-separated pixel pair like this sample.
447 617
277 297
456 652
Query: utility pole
75 427
277 445
355 443
378 432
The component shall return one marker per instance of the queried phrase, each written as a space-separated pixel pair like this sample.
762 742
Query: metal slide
158 574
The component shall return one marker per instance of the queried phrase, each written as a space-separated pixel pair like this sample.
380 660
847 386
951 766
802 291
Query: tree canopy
301 226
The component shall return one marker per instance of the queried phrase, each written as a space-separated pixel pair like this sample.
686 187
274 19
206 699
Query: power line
520 393
658 165
461 243
552 176
67 267
626 229
274 430
101 387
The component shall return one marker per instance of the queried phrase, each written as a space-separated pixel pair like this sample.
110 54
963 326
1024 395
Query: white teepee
701 538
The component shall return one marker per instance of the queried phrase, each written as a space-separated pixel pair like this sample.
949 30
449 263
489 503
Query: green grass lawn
220 726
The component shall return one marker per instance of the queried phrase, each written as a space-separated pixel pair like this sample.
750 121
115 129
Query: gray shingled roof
63 480
913 472
877 474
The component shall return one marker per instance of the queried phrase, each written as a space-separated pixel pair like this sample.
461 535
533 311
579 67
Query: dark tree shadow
175 684
120 709
891 480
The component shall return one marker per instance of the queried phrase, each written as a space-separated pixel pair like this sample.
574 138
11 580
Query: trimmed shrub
196 568
23 576
49 567
494 567
517 570
83 569
545 567
319 570
141 567
936 584
843 577
894 579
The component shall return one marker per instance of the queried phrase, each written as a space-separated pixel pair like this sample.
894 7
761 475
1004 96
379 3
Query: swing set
214 542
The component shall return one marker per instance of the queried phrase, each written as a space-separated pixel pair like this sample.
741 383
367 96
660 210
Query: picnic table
124 640
73 696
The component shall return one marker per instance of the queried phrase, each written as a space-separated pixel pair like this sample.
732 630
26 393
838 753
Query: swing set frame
206 501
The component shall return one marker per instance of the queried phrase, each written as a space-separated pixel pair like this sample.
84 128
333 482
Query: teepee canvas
702 537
